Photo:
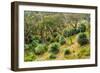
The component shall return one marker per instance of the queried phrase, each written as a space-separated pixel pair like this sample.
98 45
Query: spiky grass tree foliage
66 33
62 40
54 48
82 28
82 39
49 38
70 32
40 49
55 34
67 51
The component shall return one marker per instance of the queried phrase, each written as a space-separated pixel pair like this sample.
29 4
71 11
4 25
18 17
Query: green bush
82 28
32 45
54 48
28 47
57 38
52 41
48 38
29 57
76 31
36 38
82 39
55 34
73 31
62 40
52 56
28 39
35 43
70 32
84 51
40 49
67 52
66 33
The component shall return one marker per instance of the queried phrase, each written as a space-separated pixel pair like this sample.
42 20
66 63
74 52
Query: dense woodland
56 36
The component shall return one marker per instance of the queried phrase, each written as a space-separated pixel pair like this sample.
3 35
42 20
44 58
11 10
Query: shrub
28 39
32 45
52 56
29 57
73 31
62 40
55 34
28 47
66 33
76 31
57 38
82 39
54 48
82 28
67 52
52 40
84 52
70 32
40 49
35 38
35 43
49 39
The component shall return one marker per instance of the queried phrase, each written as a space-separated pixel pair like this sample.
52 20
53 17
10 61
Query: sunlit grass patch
84 51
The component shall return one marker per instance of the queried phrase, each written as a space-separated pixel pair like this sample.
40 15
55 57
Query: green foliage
66 33
67 52
28 47
73 31
82 39
62 40
40 49
81 28
28 38
54 48
35 37
35 43
70 32
48 38
50 33
52 56
55 34
84 51
30 57
57 38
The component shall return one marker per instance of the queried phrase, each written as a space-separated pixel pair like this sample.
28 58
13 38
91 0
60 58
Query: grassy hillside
56 36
